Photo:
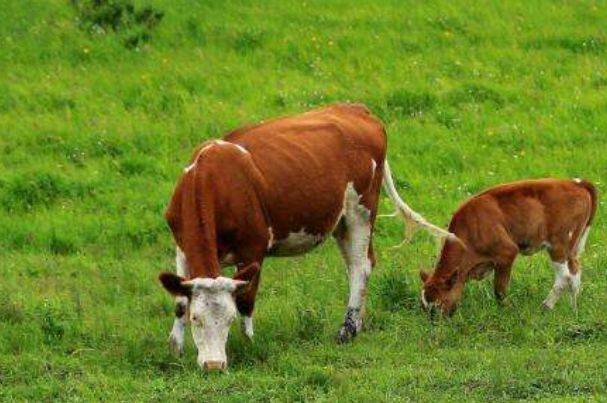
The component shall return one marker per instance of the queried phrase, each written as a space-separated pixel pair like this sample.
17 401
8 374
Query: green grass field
96 125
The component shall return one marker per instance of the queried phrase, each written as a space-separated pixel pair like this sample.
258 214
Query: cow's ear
244 276
424 275
176 285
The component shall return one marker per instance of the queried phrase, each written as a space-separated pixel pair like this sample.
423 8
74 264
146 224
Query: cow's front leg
176 338
247 326
245 301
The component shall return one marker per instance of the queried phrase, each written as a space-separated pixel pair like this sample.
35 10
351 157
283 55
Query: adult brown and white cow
492 228
275 189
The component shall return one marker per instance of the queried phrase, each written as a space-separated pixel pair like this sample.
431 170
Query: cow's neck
199 228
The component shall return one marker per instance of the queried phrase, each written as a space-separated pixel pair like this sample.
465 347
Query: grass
97 124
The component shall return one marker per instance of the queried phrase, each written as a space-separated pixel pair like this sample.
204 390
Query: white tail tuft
412 218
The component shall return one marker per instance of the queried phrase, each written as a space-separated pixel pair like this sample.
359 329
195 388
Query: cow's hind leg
353 236
176 338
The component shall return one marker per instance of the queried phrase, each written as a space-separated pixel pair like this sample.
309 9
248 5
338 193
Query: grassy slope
93 136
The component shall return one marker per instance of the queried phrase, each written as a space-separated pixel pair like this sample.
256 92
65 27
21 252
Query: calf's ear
176 285
452 278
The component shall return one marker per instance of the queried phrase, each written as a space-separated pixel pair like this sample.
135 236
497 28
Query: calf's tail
594 197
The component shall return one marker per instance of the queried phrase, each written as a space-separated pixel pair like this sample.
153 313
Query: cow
278 188
493 227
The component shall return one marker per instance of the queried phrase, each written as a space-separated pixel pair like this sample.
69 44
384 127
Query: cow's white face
212 310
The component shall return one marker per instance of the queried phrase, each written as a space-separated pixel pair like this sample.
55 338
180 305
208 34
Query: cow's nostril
194 318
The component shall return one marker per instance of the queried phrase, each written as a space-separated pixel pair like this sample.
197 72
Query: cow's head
212 310
440 293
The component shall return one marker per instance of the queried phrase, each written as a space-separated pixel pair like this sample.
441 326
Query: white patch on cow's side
212 310
248 326
581 243
297 243
562 279
355 249
577 180
270 238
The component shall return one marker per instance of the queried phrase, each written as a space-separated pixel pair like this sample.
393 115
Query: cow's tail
412 219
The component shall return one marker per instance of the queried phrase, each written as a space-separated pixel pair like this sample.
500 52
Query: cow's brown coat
292 176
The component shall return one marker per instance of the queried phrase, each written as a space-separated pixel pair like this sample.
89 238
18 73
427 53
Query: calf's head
212 309
442 290
439 294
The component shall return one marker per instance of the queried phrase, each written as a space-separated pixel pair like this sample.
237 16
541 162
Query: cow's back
307 161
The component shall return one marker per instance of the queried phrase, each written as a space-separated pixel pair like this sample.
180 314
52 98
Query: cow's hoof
547 306
175 346
345 335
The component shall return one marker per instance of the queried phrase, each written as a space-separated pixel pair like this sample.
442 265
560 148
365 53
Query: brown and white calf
495 226
275 189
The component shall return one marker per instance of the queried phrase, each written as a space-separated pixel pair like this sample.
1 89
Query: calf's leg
561 282
560 256
578 243
503 268
575 280
566 266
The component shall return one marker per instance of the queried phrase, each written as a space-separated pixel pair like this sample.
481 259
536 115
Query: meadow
100 110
